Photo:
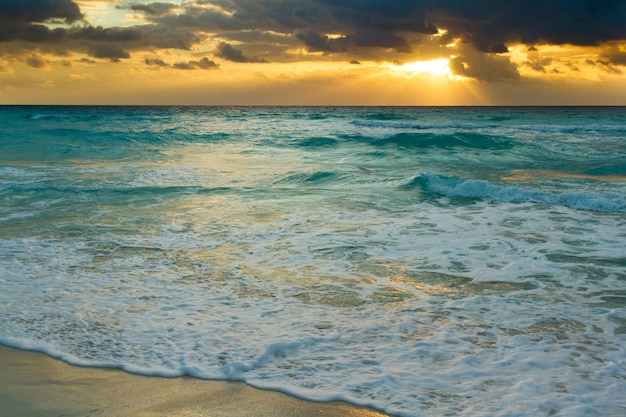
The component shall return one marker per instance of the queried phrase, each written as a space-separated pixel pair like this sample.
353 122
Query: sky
313 52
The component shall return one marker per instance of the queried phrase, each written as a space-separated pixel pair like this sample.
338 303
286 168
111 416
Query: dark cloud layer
372 39
490 25
27 11
487 24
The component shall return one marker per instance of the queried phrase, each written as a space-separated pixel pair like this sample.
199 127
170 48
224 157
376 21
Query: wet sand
35 385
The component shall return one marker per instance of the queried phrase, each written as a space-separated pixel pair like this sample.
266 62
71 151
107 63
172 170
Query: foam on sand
32 384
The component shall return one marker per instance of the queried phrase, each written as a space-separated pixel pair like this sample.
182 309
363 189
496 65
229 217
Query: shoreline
33 384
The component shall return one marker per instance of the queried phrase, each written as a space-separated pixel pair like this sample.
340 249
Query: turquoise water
422 261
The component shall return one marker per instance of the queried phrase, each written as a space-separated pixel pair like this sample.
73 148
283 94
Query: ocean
423 261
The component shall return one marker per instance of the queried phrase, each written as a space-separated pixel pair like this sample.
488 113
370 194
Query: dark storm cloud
20 20
381 16
229 53
27 11
169 38
486 24
258 36
30 33
490 25
106 34
322 43
376 39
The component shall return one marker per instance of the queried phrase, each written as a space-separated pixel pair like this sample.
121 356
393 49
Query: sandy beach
33 384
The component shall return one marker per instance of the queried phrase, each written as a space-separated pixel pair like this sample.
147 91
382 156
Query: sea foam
485 190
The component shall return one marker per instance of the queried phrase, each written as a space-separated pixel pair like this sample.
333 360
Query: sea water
421 261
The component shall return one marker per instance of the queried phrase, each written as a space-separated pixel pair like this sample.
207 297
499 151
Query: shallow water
422 261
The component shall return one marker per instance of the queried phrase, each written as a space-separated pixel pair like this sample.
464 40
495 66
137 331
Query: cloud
183 66
34 33
204 64
154 9
380 15
606 66
489 26
27 11
321 43
99 33
614 55
156 62
36 61
377 39
484 67
108 51
229 53
539 64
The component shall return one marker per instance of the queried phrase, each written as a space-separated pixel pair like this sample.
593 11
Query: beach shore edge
34 384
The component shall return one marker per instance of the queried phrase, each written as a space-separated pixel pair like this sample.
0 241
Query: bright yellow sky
174 53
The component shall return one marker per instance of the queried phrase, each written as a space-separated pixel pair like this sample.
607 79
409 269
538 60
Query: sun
435 67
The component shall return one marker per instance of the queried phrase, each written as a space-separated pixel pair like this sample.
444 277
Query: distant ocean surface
421 261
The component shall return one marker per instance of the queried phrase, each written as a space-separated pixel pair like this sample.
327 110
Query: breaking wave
455 187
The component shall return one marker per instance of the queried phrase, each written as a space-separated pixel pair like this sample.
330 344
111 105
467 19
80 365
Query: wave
478 126
422 126
38 116
422 140
455 140
455 187
310 178
316 142
155 191
571 128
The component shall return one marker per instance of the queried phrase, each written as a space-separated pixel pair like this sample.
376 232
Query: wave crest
455 140
455 187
